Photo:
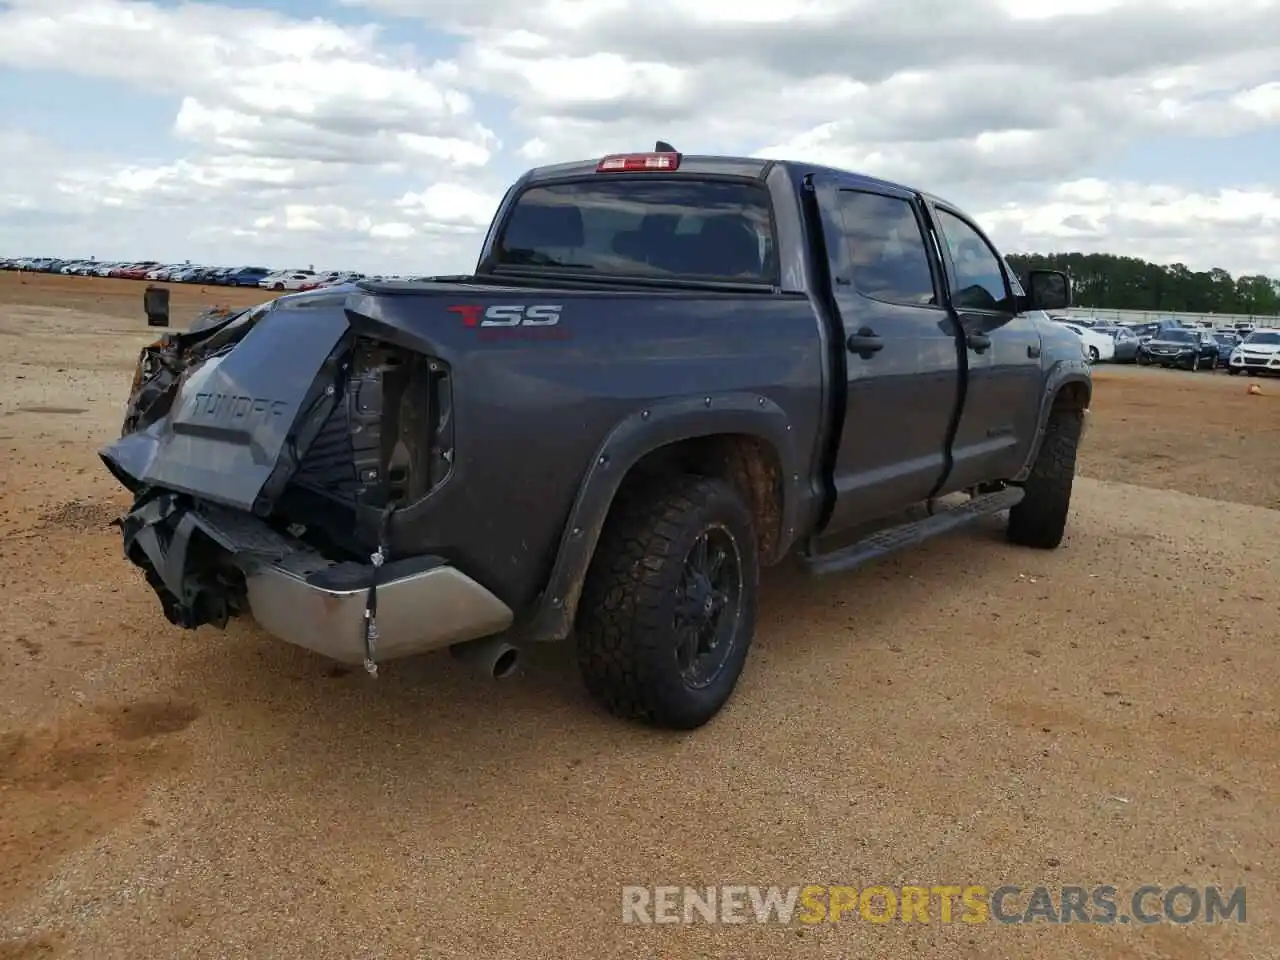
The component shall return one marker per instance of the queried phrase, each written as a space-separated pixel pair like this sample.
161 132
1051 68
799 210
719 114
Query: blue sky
378 134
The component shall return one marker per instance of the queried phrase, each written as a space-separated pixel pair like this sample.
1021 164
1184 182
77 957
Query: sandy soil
966 713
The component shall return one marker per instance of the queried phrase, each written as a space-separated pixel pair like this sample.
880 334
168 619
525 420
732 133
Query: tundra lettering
222 406
780 356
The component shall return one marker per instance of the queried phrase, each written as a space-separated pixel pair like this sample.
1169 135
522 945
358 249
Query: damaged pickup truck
666 373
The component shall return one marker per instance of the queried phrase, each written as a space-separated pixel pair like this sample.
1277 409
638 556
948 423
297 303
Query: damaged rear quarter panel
532 410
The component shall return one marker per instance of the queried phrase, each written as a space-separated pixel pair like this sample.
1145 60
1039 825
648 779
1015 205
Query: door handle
864 343
978 342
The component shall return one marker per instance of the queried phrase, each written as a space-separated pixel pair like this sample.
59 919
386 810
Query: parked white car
1259 352
1099 346
291 280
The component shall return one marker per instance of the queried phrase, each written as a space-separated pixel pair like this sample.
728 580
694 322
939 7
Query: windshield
1271 338
1178 336
650 228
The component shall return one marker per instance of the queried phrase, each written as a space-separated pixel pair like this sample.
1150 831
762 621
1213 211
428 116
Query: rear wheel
669 605
1094 355
1040 519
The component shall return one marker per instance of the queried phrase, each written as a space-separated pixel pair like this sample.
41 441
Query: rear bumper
191 556
418 612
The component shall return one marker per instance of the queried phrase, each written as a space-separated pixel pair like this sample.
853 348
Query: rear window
652 228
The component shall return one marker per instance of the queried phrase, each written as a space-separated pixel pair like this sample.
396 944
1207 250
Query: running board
892 539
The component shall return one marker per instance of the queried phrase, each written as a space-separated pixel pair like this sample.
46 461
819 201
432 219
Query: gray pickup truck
667 372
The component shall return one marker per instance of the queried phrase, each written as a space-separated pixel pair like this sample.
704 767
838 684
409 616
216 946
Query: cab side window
978 282
885 250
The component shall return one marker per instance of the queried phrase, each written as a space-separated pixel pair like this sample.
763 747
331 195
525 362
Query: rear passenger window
978 283
885 249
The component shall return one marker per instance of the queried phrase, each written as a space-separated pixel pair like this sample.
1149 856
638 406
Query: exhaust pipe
491 657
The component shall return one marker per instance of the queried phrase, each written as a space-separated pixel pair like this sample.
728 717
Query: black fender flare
657 425
1061 374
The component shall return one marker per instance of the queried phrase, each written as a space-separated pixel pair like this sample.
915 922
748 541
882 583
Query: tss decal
508 315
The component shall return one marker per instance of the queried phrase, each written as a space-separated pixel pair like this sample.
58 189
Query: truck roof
722 166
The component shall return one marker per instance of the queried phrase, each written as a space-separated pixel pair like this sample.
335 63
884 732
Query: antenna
663 147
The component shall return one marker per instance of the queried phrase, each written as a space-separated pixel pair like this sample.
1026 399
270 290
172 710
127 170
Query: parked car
452 463
1180 347
1124 340
245 276
1145 331
1257 353
289 280
1227 342
1098 346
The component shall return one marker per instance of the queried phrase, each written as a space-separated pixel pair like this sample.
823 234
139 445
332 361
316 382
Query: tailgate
236 413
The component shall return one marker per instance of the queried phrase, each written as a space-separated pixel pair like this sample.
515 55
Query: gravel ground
969 713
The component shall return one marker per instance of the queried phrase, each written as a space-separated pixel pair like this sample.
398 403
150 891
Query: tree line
1126 283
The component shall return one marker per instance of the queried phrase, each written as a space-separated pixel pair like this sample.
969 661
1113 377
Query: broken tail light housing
639 162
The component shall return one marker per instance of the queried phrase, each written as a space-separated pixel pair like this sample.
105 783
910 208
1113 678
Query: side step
893 539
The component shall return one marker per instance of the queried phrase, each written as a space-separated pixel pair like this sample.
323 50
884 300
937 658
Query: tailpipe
491 657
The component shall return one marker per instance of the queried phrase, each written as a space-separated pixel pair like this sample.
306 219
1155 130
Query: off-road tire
1040 519
625 625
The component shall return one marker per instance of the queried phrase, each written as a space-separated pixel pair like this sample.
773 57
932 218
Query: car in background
1227 341
245 276
1145 331
138 271
1125 340
289 280
1257 353
1180 347
1097 346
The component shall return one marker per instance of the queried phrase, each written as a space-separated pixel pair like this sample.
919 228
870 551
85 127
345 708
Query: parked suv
1259 352
1180 347
666 373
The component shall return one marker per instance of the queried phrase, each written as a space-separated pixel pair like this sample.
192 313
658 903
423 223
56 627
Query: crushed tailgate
237 412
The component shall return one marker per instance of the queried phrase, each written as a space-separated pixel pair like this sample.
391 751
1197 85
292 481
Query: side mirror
155 302
1048 290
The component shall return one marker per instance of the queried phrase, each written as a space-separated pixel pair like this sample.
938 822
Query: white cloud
345 142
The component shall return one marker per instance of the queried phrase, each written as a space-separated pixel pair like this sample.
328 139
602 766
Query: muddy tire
1040 520
668 608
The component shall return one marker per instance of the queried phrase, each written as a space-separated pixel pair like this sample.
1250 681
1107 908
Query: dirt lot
969 713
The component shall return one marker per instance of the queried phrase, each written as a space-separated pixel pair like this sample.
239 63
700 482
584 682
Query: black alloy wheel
708 607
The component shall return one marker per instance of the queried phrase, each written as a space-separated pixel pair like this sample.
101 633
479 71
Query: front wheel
1040 519
669 605
1094 355
1142 359
1233 371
